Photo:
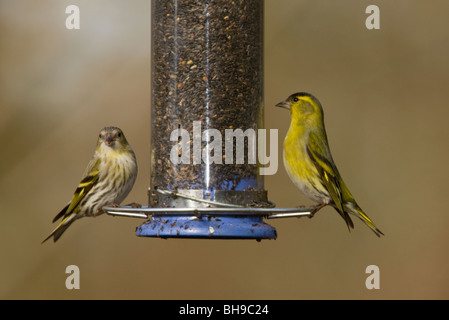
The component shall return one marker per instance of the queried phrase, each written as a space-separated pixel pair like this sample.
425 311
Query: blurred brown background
385 95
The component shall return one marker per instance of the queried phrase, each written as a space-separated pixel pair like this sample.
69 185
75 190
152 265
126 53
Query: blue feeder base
207 227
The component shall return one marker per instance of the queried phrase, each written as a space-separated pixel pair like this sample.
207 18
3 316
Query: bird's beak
109 139
284 104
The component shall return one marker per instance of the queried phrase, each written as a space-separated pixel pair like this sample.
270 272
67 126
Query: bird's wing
89 180
320 156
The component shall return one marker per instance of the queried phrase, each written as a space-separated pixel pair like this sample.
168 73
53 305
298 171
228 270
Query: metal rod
289 215
146 212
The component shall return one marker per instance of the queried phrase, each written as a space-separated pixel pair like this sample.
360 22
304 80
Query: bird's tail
355 210
62 227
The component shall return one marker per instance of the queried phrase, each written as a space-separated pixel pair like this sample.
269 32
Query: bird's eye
295 99
119 134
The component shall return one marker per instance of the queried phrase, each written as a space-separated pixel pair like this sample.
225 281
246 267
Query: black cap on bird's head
295 98
308 103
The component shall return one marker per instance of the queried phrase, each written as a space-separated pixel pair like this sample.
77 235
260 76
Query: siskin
108 179
308 160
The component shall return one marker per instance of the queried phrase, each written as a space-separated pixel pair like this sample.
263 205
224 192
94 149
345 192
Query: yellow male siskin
308 160
108 179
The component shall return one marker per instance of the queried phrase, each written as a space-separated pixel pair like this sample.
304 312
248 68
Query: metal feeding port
208 156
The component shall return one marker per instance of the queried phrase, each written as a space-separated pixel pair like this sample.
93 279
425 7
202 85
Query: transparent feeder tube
207 102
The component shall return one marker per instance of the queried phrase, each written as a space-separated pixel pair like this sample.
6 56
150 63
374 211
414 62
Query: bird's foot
134 205
316 209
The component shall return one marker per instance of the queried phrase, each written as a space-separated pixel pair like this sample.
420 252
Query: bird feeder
207 108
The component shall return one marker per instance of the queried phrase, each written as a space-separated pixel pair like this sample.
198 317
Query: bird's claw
134 205
316 209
